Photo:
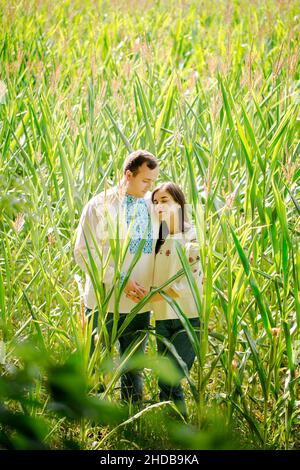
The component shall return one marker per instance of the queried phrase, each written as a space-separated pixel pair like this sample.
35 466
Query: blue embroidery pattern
136 209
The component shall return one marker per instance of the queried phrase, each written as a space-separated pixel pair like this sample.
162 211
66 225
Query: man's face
138 185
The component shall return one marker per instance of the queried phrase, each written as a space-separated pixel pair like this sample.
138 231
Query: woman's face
165 206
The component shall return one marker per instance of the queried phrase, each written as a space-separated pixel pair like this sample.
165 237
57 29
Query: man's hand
134 291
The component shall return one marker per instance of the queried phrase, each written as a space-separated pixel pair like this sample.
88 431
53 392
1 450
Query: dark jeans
174 332
131 381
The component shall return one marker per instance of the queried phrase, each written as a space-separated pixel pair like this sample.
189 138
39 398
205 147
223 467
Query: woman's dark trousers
173 331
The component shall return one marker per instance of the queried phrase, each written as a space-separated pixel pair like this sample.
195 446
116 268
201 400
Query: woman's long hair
176 193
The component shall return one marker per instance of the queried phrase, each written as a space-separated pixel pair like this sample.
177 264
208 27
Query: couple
158 220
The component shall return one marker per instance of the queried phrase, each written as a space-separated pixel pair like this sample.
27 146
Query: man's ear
128 175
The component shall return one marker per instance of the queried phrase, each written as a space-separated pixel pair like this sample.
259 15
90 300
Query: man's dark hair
136 159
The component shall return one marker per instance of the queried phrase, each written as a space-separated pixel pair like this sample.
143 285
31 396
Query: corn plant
212 89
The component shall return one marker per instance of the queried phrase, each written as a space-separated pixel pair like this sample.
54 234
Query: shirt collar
130 198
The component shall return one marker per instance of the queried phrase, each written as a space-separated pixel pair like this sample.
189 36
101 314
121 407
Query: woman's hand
172 293
156 297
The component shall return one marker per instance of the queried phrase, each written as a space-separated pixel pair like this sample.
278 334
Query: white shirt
167 264
97 227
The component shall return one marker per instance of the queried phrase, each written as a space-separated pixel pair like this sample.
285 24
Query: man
103 210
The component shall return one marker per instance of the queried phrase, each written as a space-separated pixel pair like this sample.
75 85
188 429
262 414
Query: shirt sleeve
92 233
181 285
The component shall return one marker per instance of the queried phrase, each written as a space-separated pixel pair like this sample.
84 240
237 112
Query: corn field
212 88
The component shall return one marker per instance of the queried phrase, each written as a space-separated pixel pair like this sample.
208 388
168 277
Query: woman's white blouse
167 263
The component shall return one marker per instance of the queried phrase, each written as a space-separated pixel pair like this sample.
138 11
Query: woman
169 202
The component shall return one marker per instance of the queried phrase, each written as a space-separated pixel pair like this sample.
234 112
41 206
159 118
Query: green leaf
265 314
258 363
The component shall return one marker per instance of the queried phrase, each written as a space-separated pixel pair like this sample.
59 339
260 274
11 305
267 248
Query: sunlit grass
212 88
